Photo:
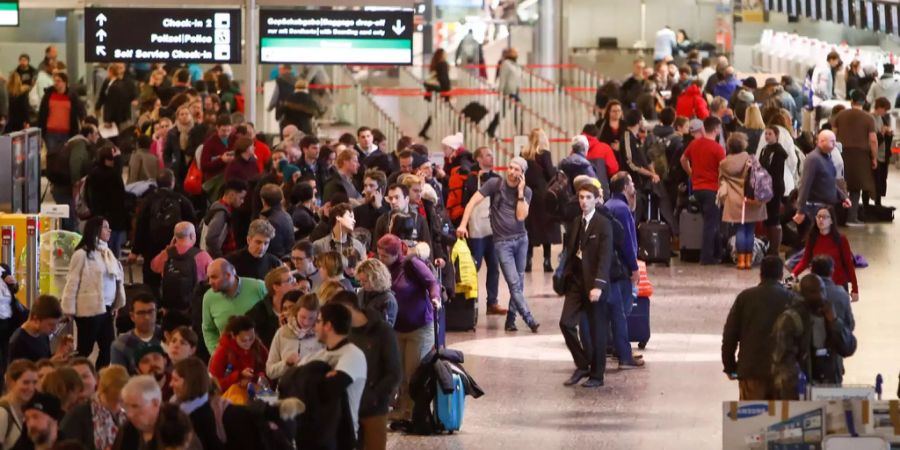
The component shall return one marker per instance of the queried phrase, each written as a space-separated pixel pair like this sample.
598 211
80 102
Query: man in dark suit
589 250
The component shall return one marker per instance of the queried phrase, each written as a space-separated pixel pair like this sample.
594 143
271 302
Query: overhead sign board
9 13
162 35
335 37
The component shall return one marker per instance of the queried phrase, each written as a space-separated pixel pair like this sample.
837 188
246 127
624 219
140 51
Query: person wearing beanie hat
42 416
416 310
510 203
152 360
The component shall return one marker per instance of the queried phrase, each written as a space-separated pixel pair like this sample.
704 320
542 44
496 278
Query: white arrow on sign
101 35
398 28
101 50
101 19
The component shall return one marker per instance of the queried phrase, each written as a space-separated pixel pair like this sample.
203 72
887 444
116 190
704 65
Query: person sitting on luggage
808 339
748 327
176 274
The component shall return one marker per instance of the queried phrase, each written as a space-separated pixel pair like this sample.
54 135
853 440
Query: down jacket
82 295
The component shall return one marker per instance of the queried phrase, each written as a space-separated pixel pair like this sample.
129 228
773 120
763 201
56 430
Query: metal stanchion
32 244
8 249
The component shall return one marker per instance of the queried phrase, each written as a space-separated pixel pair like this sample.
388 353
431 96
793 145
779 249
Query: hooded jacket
601 150
692 104
229 360
576 164
285 343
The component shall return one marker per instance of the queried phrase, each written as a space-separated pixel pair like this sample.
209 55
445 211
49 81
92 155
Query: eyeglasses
823 217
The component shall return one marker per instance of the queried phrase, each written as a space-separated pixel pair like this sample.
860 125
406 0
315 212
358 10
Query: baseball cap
45 403
695 125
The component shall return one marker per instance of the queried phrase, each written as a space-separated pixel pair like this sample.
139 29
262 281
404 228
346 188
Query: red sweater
211 163
602 150
229 353
826 246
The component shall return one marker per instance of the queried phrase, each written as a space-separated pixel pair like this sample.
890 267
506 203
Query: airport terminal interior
449 224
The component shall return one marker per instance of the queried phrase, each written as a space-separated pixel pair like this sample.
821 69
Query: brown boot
496 310
748 261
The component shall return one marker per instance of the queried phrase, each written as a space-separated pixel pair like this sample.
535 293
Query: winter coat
106 196
82 295
378 342
142 166
541 228
574 165
229 360
286 343
732 172
382 302
792 164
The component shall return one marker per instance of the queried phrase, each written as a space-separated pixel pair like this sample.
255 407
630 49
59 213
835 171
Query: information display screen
335 37
162 35
9 14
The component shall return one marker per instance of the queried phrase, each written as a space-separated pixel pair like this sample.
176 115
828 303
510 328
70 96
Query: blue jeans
711 253
512 254
743 239
620 296
55 140
483 249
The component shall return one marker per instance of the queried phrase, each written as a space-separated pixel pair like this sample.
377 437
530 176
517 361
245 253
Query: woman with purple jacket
418 296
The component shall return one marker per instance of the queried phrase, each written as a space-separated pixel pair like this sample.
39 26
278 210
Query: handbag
193 182
82 210
236 395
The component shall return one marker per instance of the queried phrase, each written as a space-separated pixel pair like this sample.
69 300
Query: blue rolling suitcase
639 322
449 407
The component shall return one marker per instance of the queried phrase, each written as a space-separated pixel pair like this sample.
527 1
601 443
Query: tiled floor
675 402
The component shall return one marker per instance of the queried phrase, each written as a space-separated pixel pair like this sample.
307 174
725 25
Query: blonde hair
753 118
537 143
345 156
409 180
274 277
328 290
330 263
112 380
377 272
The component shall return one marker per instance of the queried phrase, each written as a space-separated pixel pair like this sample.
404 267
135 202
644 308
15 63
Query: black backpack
58 171
165 213
179 278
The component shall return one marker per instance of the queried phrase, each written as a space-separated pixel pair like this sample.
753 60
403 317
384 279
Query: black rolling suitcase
461 314
654 238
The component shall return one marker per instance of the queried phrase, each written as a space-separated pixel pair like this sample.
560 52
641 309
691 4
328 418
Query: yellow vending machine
23 231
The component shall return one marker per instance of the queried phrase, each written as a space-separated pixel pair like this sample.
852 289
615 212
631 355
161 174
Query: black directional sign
335 37
162 35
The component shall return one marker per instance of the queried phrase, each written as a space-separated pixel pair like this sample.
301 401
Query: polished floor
675 401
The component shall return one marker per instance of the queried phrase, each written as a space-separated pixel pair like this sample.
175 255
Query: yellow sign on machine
19 222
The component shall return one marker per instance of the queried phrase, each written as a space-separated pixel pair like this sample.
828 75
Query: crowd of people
328 264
